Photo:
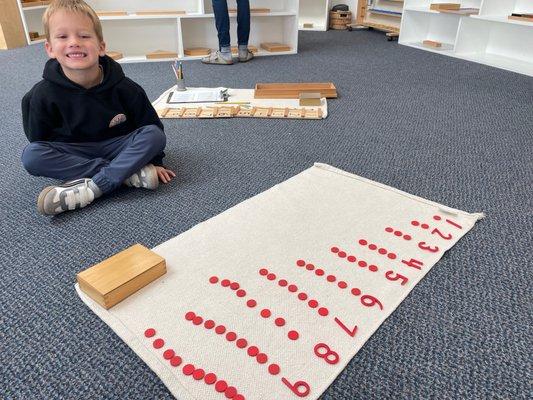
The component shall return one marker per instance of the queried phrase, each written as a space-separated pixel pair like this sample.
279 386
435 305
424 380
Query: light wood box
274 47
293 90
114 279
309 99
445 6
161 54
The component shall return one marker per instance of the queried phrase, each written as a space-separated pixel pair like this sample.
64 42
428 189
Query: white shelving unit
32 20
488 38
314 12
134 35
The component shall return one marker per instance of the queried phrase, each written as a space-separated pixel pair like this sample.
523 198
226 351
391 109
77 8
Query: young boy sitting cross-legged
86 122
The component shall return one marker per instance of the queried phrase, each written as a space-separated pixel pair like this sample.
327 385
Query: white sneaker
145 178
68 196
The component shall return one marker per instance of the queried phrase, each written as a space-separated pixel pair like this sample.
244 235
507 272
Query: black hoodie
59 110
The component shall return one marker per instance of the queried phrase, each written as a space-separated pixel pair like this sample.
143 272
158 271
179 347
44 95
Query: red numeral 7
345 328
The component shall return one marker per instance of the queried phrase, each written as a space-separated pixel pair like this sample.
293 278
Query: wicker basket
339 19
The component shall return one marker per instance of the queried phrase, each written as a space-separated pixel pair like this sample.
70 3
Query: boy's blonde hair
78 6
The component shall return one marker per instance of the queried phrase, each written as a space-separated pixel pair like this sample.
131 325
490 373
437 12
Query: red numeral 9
329 355
297 386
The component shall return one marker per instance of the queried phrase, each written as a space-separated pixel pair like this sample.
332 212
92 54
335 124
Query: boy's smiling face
74 43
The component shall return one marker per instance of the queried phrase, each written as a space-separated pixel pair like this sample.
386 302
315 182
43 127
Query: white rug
273 297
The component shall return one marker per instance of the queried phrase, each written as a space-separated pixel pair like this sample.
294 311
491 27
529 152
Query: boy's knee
157 137
32 157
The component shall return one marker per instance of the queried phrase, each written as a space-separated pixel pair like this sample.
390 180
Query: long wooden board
293 90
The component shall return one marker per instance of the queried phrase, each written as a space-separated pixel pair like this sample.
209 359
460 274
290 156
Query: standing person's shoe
67 196
145 178
245 56
218 58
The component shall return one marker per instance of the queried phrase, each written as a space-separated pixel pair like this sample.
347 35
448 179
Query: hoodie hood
113 74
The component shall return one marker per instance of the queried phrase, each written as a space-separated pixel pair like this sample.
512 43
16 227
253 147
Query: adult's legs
220 8
243 22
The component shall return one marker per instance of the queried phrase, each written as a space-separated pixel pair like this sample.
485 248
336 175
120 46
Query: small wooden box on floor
121 275
309 99
293 90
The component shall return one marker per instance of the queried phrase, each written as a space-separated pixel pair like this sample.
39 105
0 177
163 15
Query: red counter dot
300 263
372 246
342 284
263 271
334 249
190 316
437 218
388 229
252 351
319 272
323 311
407 237
293 335
342 254
282 282
210 378
273 369
362 264
197 320
221 386
382 251
271 277
230 392
251 303
313 303
265 313
239 397
188 369
363 242
158 343
209 324
392 256
351 259
150 332
373 268
241 343
240 293
424 226
302 296
279 321
168 354
415 223
231 336
292 288
175 361
198 374
398 233
225 282
261 358
309 267
331 278
234 286
220 329
356 292
213 279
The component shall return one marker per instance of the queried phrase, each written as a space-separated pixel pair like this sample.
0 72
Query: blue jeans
220 8
108 162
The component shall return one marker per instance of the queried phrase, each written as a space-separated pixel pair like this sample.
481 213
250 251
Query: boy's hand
165 175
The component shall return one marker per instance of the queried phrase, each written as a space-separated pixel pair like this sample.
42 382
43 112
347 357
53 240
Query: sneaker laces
77 196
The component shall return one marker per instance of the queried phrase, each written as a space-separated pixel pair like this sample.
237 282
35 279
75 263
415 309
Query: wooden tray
160 12
161 54
115 55
117 13
197 51
275 47
293 90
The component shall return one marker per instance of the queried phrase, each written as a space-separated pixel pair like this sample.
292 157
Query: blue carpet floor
447 130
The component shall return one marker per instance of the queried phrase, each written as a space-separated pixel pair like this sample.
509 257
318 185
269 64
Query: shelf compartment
201 32
136 38
132 6
418 26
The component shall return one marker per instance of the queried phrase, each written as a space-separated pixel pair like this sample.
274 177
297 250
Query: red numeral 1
297 386
345 328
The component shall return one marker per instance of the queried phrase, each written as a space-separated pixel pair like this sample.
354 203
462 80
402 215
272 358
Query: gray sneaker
215 57
244 57
145 178
67 196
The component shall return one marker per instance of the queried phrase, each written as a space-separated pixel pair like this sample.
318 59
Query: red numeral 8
329 355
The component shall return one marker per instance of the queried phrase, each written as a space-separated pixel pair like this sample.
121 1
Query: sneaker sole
40 199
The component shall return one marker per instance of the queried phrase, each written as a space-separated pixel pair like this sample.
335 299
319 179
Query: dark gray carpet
448 130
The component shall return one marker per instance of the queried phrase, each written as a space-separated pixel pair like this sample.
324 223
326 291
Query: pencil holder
180 85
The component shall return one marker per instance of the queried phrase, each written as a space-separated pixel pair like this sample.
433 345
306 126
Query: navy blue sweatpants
108 162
